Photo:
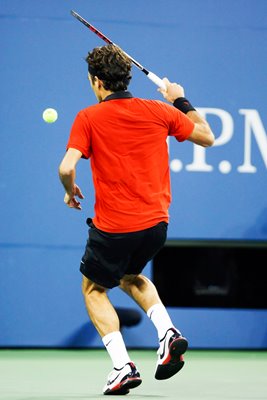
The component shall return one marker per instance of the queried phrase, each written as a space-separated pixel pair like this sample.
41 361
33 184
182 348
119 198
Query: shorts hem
84 273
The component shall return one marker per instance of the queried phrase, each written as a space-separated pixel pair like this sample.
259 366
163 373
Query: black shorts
110 256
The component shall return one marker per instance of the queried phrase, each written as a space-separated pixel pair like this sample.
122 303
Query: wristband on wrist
183 105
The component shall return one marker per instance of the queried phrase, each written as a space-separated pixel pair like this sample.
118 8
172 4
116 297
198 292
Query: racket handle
154 78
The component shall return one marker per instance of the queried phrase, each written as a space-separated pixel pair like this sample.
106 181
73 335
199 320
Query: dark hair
110 64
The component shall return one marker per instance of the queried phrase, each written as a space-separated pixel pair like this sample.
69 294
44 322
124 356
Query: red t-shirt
125 138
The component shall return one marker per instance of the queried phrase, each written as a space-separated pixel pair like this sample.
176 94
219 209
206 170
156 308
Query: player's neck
104 93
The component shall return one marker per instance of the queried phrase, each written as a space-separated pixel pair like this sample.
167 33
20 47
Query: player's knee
90 288
128 281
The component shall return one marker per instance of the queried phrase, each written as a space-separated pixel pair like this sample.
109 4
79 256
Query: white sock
161 319
116 348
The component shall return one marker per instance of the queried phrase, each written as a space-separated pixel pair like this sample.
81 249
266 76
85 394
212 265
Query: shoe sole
177 348
124 387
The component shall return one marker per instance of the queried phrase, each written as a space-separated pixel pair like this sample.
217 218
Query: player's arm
67 174
202 133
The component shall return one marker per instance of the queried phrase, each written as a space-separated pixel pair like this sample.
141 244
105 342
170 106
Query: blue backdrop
217 51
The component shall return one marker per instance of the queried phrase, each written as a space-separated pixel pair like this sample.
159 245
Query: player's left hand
71 200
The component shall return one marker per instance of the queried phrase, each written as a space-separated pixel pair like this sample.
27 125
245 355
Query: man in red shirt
125 139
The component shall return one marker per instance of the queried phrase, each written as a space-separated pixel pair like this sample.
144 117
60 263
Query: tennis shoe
121 380
170 354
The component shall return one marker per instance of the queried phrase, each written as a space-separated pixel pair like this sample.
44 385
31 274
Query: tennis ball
50 115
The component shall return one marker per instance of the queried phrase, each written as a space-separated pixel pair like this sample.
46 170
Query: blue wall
217 51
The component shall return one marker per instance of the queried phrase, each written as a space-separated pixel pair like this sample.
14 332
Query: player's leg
145 294
99 308
124 375
172 345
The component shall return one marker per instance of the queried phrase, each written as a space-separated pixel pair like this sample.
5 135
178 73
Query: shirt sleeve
80 135
181 126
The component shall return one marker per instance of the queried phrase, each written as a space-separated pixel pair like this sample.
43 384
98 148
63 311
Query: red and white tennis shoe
121 380
170 354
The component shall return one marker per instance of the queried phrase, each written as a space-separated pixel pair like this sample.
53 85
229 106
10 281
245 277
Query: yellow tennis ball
50 115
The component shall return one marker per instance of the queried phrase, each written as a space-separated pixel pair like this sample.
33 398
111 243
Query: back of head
110 64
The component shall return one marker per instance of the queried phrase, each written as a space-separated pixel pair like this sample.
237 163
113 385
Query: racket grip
154 78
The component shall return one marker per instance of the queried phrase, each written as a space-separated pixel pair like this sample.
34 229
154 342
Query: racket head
91 27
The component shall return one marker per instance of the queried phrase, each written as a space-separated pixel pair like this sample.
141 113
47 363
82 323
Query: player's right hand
172 92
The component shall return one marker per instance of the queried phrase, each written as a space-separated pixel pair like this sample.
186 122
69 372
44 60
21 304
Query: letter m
253 125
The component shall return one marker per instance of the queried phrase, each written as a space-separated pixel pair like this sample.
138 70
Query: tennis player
125 139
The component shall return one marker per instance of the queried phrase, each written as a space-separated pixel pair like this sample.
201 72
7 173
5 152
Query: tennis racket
153 77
